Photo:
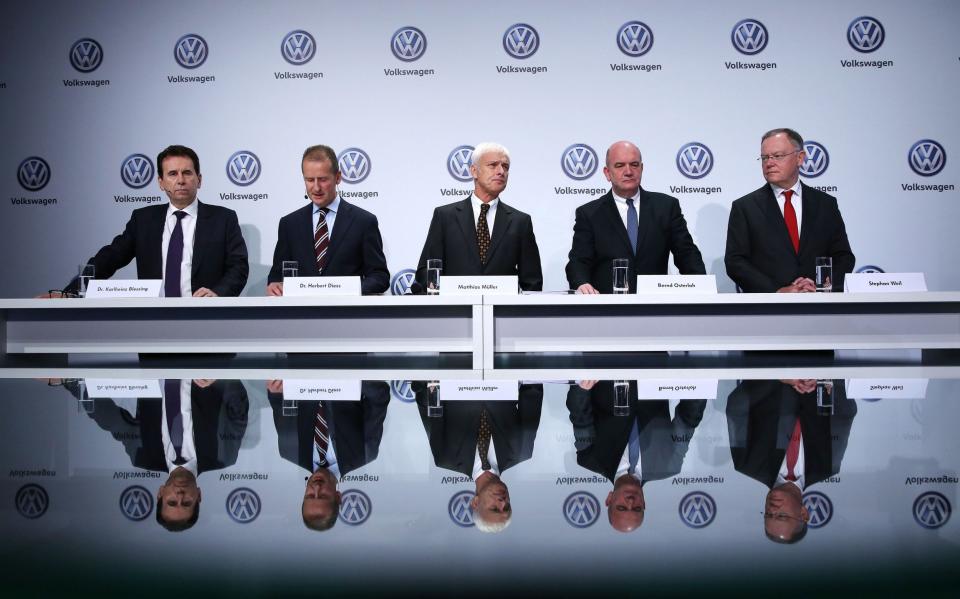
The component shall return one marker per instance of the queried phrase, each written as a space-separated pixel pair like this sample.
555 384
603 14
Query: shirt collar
477 202
191 209
622 200
333 206
777 190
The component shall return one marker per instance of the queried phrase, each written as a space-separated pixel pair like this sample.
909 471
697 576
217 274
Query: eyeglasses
776 157
60 293
780 516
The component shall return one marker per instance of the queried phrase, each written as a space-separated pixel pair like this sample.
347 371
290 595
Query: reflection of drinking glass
621 398
290 268
620 267
824 274
434 409
825 398
434 268
87 272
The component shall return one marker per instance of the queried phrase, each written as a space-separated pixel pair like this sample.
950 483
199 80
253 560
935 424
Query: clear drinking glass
86 273
824 275
620 268
434 268
291 268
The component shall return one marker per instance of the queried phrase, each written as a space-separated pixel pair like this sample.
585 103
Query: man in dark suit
481 235
329 237
782 438
629 442
628 222
208 256
777 232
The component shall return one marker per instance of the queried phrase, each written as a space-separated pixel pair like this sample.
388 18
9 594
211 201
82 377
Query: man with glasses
777 232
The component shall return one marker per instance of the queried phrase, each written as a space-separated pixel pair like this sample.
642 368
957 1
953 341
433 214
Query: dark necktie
634 447
793 452
321 434
483 440
483 233
632 225
321 240
171 397
790 218
171 279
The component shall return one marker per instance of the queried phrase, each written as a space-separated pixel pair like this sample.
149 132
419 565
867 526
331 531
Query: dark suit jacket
599 237
357 427
453 437
452 237
219 252
356 248
760 256
753 415
601 438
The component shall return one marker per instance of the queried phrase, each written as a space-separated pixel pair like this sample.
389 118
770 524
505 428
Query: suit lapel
345 217
155 238
775 221
645 214
810 209
501 224
203 214
469 231
615 222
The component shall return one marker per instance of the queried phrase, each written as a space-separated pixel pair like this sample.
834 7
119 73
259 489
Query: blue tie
632 228
634 447
171 279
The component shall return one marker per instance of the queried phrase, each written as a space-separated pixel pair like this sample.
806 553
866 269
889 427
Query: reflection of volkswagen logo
190 51
243 505
579 162
521 41
136 503
298 47
32 501
820 508
402 391
33 173
459 509
697 509
243 168
581 509
136 171
870 268
458 163
354 165
355 507
817 159
931 510
927 157
401 281
916 410
865 34
749 37
86 55
408 44
634 39
694 160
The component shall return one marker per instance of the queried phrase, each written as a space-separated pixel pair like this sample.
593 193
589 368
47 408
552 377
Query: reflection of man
777 232
329 237
481 235
642 445
778 438
329 439
628 222
483 439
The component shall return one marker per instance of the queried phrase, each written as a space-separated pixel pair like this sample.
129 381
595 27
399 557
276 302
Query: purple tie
171 397
171 279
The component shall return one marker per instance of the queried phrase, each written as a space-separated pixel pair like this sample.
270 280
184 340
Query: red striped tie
321 240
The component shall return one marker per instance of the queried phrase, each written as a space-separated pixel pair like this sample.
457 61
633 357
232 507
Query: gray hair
489 527
792 135
487 147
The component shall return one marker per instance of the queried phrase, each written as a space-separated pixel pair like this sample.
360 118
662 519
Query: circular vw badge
459 509
927 157
402 391
694 160
355 507
136 503
243 505
581 509
402 281
32 501
33 174
819 507
931 510
579 162
136 171
458 163
697 509
86 55
817 159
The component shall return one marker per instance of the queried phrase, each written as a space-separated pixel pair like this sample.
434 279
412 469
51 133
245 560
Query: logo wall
355 507
243 168
243 505
86 55
697 509
694 160
927 157
408 44
581 509
459 509
819 507
865 34
579 162
521 41
458 163
191 51
749 37
354 165
298 47
136 171
817 159
33 174
634 39
136 503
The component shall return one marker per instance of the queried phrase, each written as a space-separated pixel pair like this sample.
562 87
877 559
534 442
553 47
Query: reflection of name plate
324 390
478 390
450 285
320 286
124 288
887 388
700 284
677 389
114 388
884 282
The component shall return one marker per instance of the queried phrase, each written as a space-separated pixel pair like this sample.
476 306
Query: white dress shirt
491 456
795 201
188 450
622 207
189 227
798 470
332 210
491 214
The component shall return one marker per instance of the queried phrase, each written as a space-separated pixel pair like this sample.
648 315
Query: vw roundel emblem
458 163
243 168
402 391
32 501
819 507
86 55
136 503
697 509
354 165
243 505
402 281
931 510
33 174
581 509
870 268
355 507
136 171
916 410
298 47
749 37
865 34
927 157
408 44
817 159
694 160
634 38
579 162
190 51
521 41
459 509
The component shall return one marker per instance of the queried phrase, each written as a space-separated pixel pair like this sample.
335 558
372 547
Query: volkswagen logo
408 44
355 507
931 510
190 51
136 503
354 165
695 160
401 282
86 55
581 509
749 37
298 47
458 163
136 171
521 41
927 157
817 159
243 168
402 391
32 501
820 508
243 505
865 34
634 38
33 174
579 162
697 509
870 268
459 509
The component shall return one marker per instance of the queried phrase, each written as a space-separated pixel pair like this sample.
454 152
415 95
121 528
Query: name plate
478 390
329 390
699 284
124 288
482 285
317 286
677 389
114 388
872 282
887 388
